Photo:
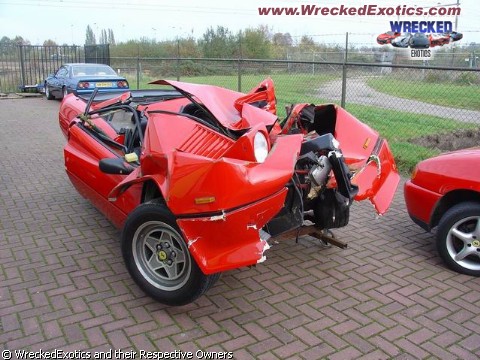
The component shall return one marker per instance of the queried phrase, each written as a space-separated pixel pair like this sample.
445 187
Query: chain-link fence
422 110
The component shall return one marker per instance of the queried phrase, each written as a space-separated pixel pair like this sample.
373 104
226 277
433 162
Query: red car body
386 38
439 39
444 191
203 165
441 182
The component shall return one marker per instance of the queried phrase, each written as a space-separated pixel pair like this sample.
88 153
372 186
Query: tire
458 238
158 259
64 92
48 95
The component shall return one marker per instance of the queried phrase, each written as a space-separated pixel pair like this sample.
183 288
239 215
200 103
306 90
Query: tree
103 37
7 46
307 42
18 40
111 37
281 44
6 41
282 39
90 37
217 43
188 47
49 42
256 43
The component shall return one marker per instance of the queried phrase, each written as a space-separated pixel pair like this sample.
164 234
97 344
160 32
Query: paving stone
63 284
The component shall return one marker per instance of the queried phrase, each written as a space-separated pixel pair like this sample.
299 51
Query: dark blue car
82 79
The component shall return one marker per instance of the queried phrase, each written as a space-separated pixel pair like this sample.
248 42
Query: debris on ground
454 140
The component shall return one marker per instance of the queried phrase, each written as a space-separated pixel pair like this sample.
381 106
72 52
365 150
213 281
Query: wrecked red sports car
386 38
200 177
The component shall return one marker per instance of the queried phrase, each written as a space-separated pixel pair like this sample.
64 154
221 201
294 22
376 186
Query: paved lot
63 284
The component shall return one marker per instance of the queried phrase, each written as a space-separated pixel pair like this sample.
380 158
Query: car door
53 83
59 81
83 152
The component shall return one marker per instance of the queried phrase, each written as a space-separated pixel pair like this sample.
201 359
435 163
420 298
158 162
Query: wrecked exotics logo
417 40
364 10
419 43
420 36
421 26
424 26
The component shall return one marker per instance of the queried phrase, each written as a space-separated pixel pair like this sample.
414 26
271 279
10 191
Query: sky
65 21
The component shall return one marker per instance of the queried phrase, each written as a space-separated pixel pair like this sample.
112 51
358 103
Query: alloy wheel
463 243
161 255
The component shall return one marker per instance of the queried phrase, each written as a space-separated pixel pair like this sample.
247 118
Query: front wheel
158 259
458 238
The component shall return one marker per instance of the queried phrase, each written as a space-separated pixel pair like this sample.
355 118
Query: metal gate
99 54
25 65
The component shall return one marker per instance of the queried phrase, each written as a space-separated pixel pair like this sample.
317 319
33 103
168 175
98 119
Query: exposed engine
320 190
325 183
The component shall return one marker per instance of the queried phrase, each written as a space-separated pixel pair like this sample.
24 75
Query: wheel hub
476 243
165 253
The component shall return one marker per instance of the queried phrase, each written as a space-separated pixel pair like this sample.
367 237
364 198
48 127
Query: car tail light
122 84
83 85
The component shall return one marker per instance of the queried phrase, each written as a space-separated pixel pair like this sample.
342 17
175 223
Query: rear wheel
48 95
158 258
458 238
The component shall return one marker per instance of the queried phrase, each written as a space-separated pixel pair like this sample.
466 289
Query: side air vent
205 142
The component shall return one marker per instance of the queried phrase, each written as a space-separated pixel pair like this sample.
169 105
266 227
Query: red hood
224 110
464 153
446 172
461 161
459 164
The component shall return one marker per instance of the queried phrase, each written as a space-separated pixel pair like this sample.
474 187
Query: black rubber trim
420 223
378 145
102 139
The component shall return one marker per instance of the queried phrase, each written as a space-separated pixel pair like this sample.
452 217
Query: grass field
396 126
453 95
290 89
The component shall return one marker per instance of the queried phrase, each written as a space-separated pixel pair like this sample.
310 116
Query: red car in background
200 177
444 191
439 39
386 38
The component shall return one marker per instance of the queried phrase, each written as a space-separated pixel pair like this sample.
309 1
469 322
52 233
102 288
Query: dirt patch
455 140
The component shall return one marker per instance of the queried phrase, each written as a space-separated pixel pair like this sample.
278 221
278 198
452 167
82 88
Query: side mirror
115 166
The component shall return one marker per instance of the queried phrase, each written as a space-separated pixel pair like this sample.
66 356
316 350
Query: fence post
138 72
344 73
288 63
178 60
313 63
239 69
239 75
22 65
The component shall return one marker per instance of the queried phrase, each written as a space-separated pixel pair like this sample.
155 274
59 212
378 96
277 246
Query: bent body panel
231 240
